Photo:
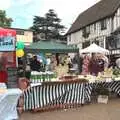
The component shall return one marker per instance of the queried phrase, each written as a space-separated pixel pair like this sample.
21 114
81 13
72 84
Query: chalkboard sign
12 77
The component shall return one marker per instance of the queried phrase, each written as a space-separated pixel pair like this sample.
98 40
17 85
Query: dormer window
85 44
103 24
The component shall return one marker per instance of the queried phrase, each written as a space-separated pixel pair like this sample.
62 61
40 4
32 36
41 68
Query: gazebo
93 48
50 46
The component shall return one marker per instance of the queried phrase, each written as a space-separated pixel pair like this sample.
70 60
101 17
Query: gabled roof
100 10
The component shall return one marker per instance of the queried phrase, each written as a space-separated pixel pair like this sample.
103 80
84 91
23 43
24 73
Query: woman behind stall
85 66
93 65
96 64
101 63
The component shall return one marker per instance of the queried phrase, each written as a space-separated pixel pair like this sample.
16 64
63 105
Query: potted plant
102 93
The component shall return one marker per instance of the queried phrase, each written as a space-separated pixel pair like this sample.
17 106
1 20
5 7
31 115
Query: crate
102 99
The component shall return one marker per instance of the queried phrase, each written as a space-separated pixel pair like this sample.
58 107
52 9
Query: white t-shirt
48 61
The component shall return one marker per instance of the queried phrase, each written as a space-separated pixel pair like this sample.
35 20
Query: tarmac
92 111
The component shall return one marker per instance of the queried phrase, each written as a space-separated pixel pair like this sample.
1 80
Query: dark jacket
35 65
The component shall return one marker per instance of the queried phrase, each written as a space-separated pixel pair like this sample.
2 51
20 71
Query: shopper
35 64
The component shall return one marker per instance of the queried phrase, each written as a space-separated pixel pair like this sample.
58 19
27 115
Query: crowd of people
94 64
81 64
90 64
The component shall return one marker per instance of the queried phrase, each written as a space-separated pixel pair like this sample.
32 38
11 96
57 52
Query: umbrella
93 48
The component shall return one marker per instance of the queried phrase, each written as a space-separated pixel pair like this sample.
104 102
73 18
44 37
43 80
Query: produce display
108 72
116 74
107 75
89 78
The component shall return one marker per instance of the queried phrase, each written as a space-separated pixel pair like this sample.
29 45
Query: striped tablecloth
37 77
65 93
113 86
54 94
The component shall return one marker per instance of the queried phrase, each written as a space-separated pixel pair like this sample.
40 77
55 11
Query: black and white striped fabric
54 94
114 86
63 93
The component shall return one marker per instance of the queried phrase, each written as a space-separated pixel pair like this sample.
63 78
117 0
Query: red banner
6 32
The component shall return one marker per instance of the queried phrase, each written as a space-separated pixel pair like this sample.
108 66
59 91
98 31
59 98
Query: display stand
8 55
12 77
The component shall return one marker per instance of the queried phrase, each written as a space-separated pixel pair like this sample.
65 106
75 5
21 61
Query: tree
49 25
4 20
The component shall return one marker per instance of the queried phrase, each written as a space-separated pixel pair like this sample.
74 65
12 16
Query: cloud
24 2
67 10
5 4
22 11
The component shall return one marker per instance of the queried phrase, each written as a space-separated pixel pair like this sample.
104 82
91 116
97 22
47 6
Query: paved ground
111 111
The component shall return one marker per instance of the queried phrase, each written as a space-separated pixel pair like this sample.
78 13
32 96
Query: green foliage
4 20
101 90
49 25
116 72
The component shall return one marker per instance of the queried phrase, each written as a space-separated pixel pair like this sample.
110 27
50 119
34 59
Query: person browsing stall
35 65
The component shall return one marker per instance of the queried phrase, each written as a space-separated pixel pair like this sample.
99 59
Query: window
86 32
87 29
20 32
94 26
69 38
103 24
111 43
96 42
85 44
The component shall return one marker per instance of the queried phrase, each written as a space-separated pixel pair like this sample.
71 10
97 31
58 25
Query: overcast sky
22 11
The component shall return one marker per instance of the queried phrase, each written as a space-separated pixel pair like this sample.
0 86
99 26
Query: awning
93 48
49 46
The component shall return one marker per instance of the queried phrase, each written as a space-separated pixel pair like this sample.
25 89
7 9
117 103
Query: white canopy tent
93 48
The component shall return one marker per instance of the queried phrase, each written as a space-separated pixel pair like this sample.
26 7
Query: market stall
65 94
8 54
9 94
93 48
70 90
45 47
50 46
57 94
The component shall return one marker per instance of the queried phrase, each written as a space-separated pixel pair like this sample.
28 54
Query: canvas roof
50 47
93 48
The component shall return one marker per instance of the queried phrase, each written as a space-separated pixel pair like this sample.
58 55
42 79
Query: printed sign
7 39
